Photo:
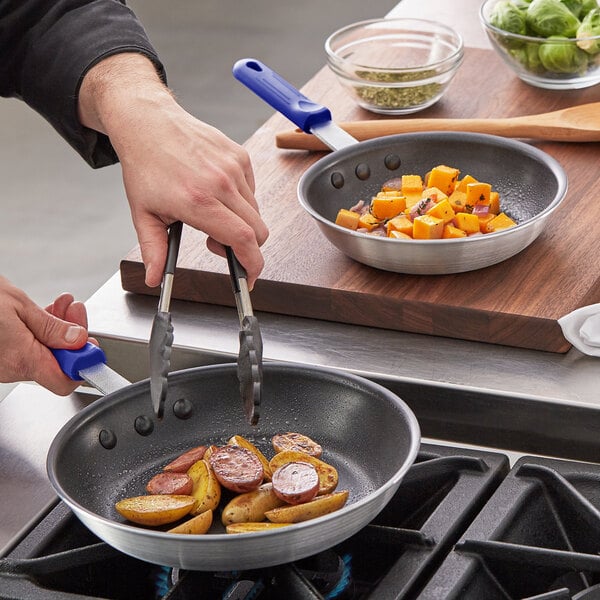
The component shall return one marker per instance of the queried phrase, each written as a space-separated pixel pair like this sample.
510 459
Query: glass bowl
395 66
552 62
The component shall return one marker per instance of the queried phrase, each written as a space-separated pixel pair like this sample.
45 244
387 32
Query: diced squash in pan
478 193
426 227
461 186
468 222
387 206
401 224
368 222
452 232
347 218
442 210
502 221
444 178
445 208
399 235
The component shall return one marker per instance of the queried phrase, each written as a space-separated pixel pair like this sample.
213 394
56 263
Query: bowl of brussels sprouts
552 44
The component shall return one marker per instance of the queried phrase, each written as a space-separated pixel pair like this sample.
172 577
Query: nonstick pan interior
112 448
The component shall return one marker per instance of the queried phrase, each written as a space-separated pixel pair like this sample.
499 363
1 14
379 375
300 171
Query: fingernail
72 334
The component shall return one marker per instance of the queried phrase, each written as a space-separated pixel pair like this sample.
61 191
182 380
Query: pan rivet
337 180
363 171
144 425
107 439
392 162
182 409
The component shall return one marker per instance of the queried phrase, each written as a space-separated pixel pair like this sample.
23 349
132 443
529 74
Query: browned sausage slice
297 442
296 482
170 483
236 468
183 462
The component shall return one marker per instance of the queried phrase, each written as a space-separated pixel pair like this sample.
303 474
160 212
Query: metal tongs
251 347
161 337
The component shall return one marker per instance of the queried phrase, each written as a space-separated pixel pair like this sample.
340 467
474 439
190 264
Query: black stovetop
462 525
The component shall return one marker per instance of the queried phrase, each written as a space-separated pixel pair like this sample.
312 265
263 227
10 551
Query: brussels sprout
551 18
506 16
586 6
575 6
560 55
589 28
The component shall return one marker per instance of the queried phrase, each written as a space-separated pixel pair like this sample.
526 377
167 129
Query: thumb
54 332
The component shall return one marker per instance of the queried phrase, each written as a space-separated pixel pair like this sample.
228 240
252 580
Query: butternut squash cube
458 201
442 210
450 232
400 223
434 193
387 206
412 198
443 178
467 222
494 202
461 185
347 218
368 222
426 227
499 222
478 193
412 183
398 235
484 220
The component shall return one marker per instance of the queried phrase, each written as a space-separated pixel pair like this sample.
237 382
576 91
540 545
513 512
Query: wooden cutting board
515 303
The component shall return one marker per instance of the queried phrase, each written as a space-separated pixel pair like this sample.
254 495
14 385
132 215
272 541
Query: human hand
175 167
27 331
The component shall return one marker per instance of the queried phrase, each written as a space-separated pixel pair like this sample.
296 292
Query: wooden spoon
574 124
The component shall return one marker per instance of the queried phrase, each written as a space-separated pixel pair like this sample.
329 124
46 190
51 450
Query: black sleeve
47 46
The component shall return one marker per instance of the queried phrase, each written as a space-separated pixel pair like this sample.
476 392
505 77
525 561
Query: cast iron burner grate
392 557
538 538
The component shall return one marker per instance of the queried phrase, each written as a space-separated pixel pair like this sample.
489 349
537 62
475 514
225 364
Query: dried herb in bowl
397 97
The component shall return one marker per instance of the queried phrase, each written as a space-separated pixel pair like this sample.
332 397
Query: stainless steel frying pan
531 183
111 449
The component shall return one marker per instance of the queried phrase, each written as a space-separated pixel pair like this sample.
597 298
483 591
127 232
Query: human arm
175 167
27 331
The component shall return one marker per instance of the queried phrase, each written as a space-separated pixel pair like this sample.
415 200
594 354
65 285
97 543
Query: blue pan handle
73 361
280 94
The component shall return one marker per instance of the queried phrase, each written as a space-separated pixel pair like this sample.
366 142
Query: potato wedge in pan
251 506
196 525
155 509
322 505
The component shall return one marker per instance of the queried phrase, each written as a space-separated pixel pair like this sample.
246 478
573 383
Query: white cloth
582 328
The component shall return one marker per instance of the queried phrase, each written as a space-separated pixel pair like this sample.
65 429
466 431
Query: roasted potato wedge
296 441
155 509
238 440
207 489
196 525
251 506
322 505
328 475
252 527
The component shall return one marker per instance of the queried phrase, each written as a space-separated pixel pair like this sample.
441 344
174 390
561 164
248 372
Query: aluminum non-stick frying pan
531 183
112 448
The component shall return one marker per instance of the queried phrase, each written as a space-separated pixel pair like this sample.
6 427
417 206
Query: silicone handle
73 361
280 94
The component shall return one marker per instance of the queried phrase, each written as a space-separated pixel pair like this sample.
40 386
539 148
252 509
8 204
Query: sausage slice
170 483
183 462
296 482
236 468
